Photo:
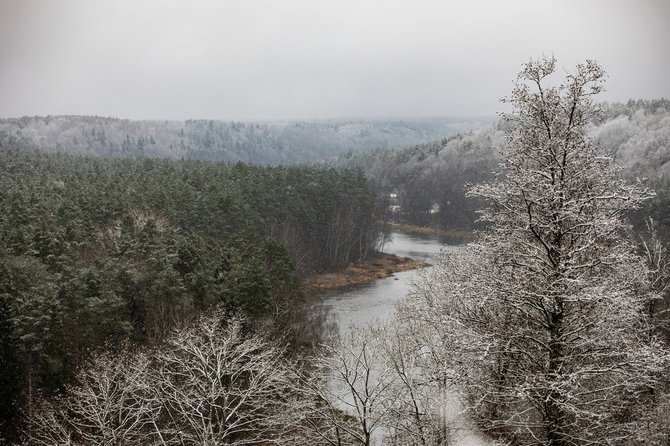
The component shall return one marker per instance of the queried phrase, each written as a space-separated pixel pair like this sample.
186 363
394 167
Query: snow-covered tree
110 404
210 384
541 324
423 410
352 387
219 385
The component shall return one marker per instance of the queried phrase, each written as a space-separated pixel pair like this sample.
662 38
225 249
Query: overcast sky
293 59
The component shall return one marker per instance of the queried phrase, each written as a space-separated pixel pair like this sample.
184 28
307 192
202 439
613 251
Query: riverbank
377 266
453 236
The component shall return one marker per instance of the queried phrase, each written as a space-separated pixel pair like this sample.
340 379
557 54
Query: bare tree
656 255
109 404
210 384
422 412
219 385
542 321
48 424
353 389
377 385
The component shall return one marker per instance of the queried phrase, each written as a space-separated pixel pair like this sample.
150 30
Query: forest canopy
101 253
96 251
266 143
429 180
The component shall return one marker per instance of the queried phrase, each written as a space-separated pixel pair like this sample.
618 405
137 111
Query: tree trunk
554 413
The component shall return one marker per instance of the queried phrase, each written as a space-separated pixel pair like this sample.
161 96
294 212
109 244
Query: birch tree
542 322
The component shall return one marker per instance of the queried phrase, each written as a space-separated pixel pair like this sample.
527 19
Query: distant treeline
266 143
428 181
95 251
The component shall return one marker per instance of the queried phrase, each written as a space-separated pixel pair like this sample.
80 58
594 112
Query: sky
312 59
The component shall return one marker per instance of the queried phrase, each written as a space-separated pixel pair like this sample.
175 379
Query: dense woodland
125 273
429 180
94 252
265 143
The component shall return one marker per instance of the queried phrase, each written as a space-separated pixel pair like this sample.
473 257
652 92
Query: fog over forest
423 162
252 142
186 185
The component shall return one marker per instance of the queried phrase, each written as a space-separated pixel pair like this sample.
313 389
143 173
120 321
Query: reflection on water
361 303
417 247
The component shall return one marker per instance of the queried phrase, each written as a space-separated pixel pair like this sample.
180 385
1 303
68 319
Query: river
361 303
375 300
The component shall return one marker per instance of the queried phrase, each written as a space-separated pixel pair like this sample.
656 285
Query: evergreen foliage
96 251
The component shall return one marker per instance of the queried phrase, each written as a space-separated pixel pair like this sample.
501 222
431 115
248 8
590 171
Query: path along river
375 300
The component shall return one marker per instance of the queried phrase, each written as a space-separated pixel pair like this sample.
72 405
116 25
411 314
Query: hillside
95 251
266 143
426 183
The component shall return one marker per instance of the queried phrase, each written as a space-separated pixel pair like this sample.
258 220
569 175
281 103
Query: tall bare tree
219 385
110 404
424 407
541 323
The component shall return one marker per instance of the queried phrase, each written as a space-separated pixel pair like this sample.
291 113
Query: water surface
362 303
375 300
